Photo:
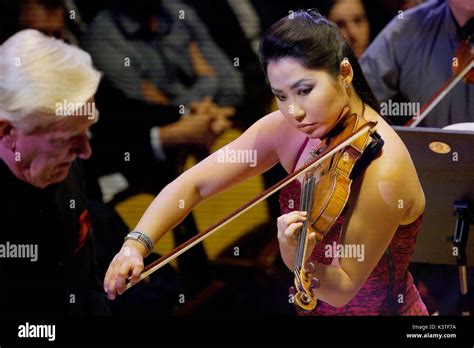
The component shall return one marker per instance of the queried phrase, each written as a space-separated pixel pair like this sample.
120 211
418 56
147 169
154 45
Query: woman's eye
304 91
359 19
280 98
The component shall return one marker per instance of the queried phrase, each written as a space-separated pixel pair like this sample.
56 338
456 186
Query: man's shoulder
402 37
413 22
428 8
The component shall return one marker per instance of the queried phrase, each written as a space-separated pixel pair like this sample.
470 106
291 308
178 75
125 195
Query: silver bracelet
142 238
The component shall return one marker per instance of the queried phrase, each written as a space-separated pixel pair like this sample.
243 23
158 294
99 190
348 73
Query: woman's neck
356 105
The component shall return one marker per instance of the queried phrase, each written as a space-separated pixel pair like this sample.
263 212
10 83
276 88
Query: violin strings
306 195
302 207
311 185
297 262
305 205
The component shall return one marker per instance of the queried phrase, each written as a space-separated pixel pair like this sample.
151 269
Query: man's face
463 5
45 156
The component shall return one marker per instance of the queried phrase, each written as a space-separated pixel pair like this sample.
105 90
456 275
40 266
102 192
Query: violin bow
170 256
440 94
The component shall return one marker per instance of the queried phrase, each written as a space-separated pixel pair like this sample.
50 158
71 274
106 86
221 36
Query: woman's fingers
107 279
290 232
111 284
285 220
123 273
136 271
127 262
295 216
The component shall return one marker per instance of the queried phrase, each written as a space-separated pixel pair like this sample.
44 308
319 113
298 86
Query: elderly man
47 261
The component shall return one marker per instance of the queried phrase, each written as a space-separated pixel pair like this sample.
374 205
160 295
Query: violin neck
306 203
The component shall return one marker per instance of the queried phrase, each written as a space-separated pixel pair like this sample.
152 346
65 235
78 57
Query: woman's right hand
127 262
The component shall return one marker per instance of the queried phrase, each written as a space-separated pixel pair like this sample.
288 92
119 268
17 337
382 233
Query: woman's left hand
288 227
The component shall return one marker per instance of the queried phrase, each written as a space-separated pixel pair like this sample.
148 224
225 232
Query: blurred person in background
413 56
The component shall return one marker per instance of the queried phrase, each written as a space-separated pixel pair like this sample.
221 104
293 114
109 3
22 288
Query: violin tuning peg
315 283
310 267
292 291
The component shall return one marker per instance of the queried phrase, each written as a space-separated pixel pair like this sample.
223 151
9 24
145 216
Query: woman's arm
251 154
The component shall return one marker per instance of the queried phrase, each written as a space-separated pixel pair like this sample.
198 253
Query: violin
327 190
324 194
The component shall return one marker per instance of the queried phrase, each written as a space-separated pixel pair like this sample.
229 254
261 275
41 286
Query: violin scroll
305 283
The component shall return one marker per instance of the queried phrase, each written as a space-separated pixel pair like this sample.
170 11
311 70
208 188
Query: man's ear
5 128
346 72
6 138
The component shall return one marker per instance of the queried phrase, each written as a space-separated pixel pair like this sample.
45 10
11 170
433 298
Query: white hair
36 73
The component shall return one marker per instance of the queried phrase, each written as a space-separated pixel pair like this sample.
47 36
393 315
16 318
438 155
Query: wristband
142 238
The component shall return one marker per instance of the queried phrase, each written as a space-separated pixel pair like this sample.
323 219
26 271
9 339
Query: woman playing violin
317 82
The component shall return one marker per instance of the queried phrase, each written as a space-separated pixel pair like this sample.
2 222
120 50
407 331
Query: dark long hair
316 43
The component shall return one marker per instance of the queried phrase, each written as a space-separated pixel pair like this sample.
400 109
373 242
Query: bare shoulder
262 134
265 136
285 138
269 125
395 174
287 141
395 158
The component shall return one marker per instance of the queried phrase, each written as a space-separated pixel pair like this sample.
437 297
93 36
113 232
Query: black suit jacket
62 281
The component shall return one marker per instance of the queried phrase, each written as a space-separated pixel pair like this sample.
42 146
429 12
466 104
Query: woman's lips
307 126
